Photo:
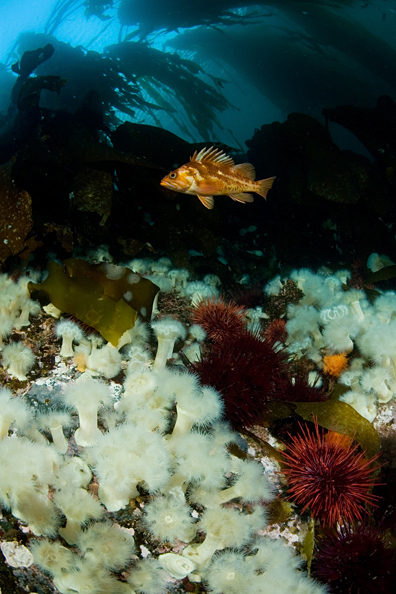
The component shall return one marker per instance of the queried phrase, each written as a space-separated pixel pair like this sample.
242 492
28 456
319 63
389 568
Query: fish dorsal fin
207 201
212 155
247 169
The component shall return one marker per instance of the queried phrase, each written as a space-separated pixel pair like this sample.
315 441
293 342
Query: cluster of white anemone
164 434
329 319
15 309
181 459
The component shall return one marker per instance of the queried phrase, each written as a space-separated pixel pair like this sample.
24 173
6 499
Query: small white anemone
196 407
18 359
357 300
385 306
86 395
148 577
52 556
378 380
378 343
6 324
105 361
364 404
55 421
251 484
141 265
274 286
189 451
170 519
161 266
179 277
140 385
167 332
315 290
198 290
229 572
305 320
197 332
376 262
224 527
12 409
120 462
107 544
69 332
79 506
338 334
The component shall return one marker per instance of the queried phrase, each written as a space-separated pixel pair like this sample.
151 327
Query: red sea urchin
329 476
356 560
218 318
276 332
244 367
245 370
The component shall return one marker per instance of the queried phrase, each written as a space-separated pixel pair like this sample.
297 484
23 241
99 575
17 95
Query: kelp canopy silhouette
317 59
131 76
155 15
174 77
170 15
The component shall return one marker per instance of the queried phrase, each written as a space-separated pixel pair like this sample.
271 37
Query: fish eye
173 175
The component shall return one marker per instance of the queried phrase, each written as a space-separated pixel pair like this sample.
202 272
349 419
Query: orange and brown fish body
212 173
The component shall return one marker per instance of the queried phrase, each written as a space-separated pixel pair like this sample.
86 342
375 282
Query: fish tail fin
264 185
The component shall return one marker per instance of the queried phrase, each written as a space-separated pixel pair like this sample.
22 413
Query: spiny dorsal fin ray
212 155
247 169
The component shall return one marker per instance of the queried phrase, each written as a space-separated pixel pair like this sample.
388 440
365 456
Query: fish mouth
166 184
170 185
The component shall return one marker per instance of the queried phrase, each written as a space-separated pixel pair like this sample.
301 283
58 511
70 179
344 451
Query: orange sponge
335 364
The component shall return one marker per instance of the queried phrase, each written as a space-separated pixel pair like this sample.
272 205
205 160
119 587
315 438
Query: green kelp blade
118 282
385 273
308 544
279 511
84 299
341 417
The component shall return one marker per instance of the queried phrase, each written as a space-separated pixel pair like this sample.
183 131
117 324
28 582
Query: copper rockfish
212 173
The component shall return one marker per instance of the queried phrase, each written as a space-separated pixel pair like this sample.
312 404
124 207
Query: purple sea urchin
356 560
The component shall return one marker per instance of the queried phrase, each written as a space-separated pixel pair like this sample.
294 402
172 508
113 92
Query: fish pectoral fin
207 201
242 197
247 169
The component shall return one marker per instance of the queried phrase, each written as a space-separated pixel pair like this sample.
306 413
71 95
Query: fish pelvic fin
207 201
242 197
264 185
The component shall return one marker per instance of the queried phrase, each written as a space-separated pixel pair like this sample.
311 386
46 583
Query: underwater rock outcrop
16 219
374 127
310 162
